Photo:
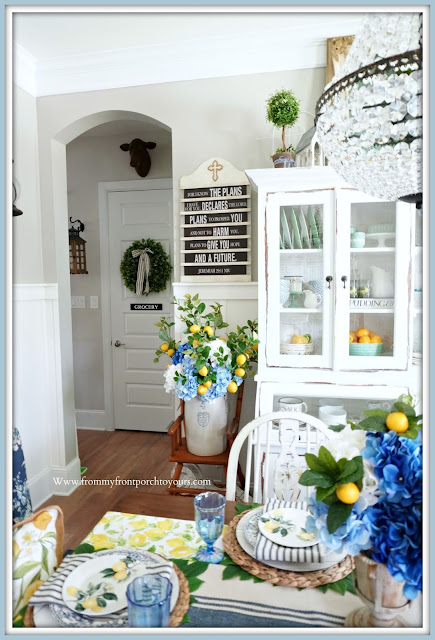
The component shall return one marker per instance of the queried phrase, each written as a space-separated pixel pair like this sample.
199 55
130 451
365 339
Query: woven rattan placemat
279 576
177 614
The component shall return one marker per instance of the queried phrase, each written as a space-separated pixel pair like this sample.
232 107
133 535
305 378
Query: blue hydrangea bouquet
368 498
205 364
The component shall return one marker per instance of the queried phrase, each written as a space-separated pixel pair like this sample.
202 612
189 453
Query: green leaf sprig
327 474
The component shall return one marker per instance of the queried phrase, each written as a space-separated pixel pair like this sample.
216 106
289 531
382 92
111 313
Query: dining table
221 595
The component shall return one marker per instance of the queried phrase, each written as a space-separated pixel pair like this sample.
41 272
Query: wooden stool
181 455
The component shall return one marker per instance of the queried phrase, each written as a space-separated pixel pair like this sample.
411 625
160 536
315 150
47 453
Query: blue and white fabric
21 502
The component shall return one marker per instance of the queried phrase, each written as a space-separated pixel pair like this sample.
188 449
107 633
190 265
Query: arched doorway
88 130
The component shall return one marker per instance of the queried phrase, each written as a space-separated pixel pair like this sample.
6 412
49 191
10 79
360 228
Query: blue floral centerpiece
205 364
204 368
368 498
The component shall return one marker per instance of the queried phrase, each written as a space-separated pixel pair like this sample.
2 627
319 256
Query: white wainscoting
95 419
37 391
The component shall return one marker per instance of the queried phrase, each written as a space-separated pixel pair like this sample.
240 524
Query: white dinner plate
248 547
106 578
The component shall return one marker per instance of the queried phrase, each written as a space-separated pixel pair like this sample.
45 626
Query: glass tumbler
209 518
364 289
149 601
353 288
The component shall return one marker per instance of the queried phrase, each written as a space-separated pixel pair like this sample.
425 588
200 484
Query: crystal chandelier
369 118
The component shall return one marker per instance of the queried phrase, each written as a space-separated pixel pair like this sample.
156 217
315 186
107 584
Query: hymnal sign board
215 210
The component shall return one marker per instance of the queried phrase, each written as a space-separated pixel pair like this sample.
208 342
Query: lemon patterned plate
286 527
98 586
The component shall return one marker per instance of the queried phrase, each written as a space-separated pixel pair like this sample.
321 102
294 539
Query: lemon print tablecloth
169 537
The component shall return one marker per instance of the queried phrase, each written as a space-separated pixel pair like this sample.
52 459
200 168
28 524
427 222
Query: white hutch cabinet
305 221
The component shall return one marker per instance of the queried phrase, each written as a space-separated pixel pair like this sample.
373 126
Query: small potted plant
283 112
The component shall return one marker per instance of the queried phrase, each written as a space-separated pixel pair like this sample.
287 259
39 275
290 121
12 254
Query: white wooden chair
287 442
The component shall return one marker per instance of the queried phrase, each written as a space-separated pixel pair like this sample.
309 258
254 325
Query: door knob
329 280
119 344
344 279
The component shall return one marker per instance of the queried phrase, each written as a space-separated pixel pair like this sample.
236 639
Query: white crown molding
157 64
24 69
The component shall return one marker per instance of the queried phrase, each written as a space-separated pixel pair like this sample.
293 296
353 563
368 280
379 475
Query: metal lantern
369 118
77 248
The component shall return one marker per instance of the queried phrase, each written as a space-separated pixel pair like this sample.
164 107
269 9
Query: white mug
332 415
292 404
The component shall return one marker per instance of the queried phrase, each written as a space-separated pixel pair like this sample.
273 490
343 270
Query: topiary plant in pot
283 112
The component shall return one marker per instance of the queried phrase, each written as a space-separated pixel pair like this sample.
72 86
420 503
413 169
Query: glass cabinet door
373 279
299 278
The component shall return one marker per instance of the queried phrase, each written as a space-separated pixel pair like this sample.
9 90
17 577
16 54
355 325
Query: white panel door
140 400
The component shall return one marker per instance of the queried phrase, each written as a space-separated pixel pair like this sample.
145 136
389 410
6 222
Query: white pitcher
311 299
382 283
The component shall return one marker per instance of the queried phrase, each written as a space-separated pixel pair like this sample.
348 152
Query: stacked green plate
313 227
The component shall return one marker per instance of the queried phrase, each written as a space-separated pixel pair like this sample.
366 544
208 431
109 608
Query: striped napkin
267 550
51 591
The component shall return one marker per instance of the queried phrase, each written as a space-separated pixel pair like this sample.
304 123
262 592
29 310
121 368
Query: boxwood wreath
160 266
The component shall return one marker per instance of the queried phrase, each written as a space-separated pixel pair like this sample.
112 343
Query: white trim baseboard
92 419
43 485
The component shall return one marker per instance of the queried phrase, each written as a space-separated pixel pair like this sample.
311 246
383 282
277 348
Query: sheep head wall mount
139 156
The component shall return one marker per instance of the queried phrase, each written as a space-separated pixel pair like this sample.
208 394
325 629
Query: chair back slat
279 455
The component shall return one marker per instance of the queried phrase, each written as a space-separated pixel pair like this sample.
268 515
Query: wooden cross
215 167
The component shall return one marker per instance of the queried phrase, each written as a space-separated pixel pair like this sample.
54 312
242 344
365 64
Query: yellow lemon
239 372
97 609
255 347
104 521
89 603
119 566
139 524
270 526
232 387
137 540
164 347
72 591
41 521
209 330
120 576
31 590
375 339
155 534
101 541
397 421
347 493
175 543
195 343
171 352
223 339
306 536
362 332
166 525
351 338
241 359
207 384
201 390
364 340
194 328
181 552
203 372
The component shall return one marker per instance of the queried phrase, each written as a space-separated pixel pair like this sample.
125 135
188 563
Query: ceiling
64 51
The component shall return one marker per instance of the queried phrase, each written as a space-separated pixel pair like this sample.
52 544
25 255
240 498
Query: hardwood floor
132 455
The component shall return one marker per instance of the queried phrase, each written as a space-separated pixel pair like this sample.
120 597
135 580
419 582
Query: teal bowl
362 349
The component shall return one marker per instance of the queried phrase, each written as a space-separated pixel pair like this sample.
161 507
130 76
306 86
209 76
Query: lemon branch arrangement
368 480
205 364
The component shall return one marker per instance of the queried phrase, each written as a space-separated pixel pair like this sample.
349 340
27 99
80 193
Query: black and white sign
209 270
216 192
371 303
215 208
216 244
215 232
146 307
215 205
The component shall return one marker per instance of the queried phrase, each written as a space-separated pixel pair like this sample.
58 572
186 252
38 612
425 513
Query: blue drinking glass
149 601
209 517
